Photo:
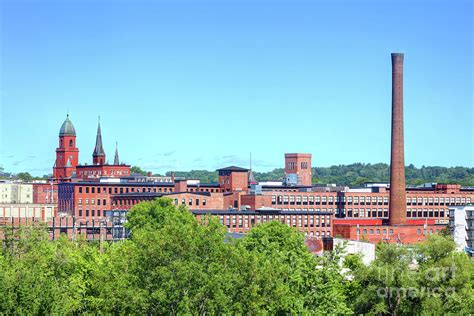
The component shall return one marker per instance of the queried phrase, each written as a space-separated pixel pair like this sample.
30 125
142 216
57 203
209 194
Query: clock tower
67 154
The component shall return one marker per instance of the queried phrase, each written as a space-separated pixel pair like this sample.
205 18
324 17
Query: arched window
71 143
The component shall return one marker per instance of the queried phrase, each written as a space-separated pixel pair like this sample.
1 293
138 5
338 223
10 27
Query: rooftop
233 168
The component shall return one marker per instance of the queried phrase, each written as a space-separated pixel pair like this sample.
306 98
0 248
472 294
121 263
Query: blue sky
199 84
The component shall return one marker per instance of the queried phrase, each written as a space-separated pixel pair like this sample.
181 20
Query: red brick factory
374 212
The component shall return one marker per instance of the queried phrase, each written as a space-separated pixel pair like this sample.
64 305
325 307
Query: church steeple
116 158
98 157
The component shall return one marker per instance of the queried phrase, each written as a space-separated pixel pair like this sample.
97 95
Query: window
87 201
98 190
92 190
98 201
87 212
98 212
203 201
87 189
80 201
92 201
298 199
80 212
93 212
80 189
190 202
71 143
104 202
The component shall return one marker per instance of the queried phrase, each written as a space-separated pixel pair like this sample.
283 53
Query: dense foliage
358 173
174 264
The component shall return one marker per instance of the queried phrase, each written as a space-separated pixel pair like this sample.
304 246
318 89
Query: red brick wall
42 193
406 234
301 165
97 171
256 201
236 181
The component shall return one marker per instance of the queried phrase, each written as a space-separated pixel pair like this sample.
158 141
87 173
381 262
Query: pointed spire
98 150
116 159
251 175
68 163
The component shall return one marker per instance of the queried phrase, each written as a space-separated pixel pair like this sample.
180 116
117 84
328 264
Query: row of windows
117 190
293 164
290 220
190 202
437 201
366 212
384 231
104 201
88 213
325 200
362 200
427 213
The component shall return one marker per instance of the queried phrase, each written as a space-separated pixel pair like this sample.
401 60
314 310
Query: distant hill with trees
356 174
352 175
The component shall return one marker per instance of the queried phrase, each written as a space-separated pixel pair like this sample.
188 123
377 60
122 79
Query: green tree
298 283
445 276
25 176
382 287
39 276
138 170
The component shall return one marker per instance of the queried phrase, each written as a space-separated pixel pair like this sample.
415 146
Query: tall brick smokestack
397 211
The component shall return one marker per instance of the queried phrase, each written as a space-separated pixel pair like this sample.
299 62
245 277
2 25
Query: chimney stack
397 211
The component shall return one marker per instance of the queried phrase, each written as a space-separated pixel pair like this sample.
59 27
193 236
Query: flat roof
257 212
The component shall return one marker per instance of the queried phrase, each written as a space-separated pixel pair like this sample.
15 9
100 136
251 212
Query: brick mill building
374 212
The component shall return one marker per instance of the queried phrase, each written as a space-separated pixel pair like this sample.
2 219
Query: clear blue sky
199 84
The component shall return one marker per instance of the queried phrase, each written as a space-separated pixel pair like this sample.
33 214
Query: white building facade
13 192
461 225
